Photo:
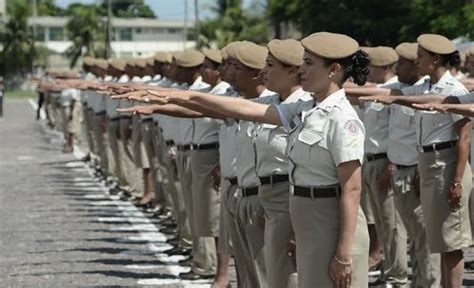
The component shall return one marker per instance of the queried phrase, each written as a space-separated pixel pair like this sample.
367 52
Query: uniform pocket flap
408 111
309 137
269 126
377 106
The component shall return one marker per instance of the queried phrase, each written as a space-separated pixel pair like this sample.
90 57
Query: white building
131 37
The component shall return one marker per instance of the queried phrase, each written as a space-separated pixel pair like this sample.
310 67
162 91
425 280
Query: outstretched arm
229 107
410 100
463 109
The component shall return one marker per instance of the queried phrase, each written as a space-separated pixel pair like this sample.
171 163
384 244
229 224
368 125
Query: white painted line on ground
34 105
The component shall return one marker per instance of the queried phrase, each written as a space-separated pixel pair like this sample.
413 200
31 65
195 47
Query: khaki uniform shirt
434 127
271 141
321 138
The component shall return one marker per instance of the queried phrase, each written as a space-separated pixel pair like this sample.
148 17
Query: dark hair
452 60
356 67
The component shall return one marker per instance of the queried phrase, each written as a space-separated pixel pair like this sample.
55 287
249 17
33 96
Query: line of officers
224 186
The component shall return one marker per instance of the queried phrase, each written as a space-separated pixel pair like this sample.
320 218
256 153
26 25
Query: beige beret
224 53
330 45
287 51
251 55
150 61
407 50
118 64
469 52
189 58
102 63
436 44
89 61
230 49
160 57
382 56
213 55
140 62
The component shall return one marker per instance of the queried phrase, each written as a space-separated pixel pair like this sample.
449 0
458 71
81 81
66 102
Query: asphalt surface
59 228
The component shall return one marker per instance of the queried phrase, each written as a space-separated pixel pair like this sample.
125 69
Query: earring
330 75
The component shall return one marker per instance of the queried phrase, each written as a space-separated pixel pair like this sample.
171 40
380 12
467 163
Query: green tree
18 44
48 8
127 9
374 22
233 23
84 29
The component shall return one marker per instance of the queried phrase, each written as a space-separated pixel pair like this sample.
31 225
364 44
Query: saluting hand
145 110
387 100
431 107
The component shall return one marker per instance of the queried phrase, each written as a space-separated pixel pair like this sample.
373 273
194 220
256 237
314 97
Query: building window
138 30
40 34
125 34
174 30
56 33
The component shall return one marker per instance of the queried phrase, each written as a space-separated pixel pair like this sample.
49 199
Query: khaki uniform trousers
248 240
77 126
389 225
90 125
99 140
425 265
316 225
132 176
175 192
204 254
447 230
275 201
113 132
161 172
224 246
206 200
86 142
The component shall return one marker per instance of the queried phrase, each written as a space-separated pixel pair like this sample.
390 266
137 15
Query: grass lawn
21 94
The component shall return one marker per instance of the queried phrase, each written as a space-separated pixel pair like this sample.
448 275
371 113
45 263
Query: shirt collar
332 100
445 79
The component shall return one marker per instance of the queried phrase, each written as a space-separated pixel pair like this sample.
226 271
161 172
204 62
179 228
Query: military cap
102 63
189 58
118 64
213 55
382 56
436 44
251 55
230 49
469 51
330 45
169 57
224 53
407 50
288 51
89 61
150 61
140 62
160 57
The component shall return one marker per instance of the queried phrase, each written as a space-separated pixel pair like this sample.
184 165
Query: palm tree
84 29
18 42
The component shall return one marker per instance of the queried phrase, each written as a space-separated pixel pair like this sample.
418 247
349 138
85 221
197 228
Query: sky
165 9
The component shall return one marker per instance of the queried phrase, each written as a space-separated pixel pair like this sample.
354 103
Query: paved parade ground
60 229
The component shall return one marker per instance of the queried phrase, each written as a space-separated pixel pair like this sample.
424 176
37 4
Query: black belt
169 142
146 120
100 113
114 119
125 117
250 191
184 147
401 167
438 146
233 181
373 157
317 192
273 179
205 146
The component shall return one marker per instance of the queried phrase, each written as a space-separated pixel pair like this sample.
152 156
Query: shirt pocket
407 115
307 144
376 106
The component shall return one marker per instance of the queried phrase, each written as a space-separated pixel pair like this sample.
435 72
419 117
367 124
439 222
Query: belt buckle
292 190
311 193
271 180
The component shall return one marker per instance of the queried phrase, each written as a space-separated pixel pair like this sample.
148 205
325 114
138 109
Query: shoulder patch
351 127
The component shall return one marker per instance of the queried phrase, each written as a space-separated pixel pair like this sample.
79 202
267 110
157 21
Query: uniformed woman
443 143
325 151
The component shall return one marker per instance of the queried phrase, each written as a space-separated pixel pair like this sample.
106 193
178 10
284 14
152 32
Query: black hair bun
453 59
357 67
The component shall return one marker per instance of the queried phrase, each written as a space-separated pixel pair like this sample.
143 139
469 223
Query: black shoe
178 251
193 276
169 230
186 262
114 191
172 241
